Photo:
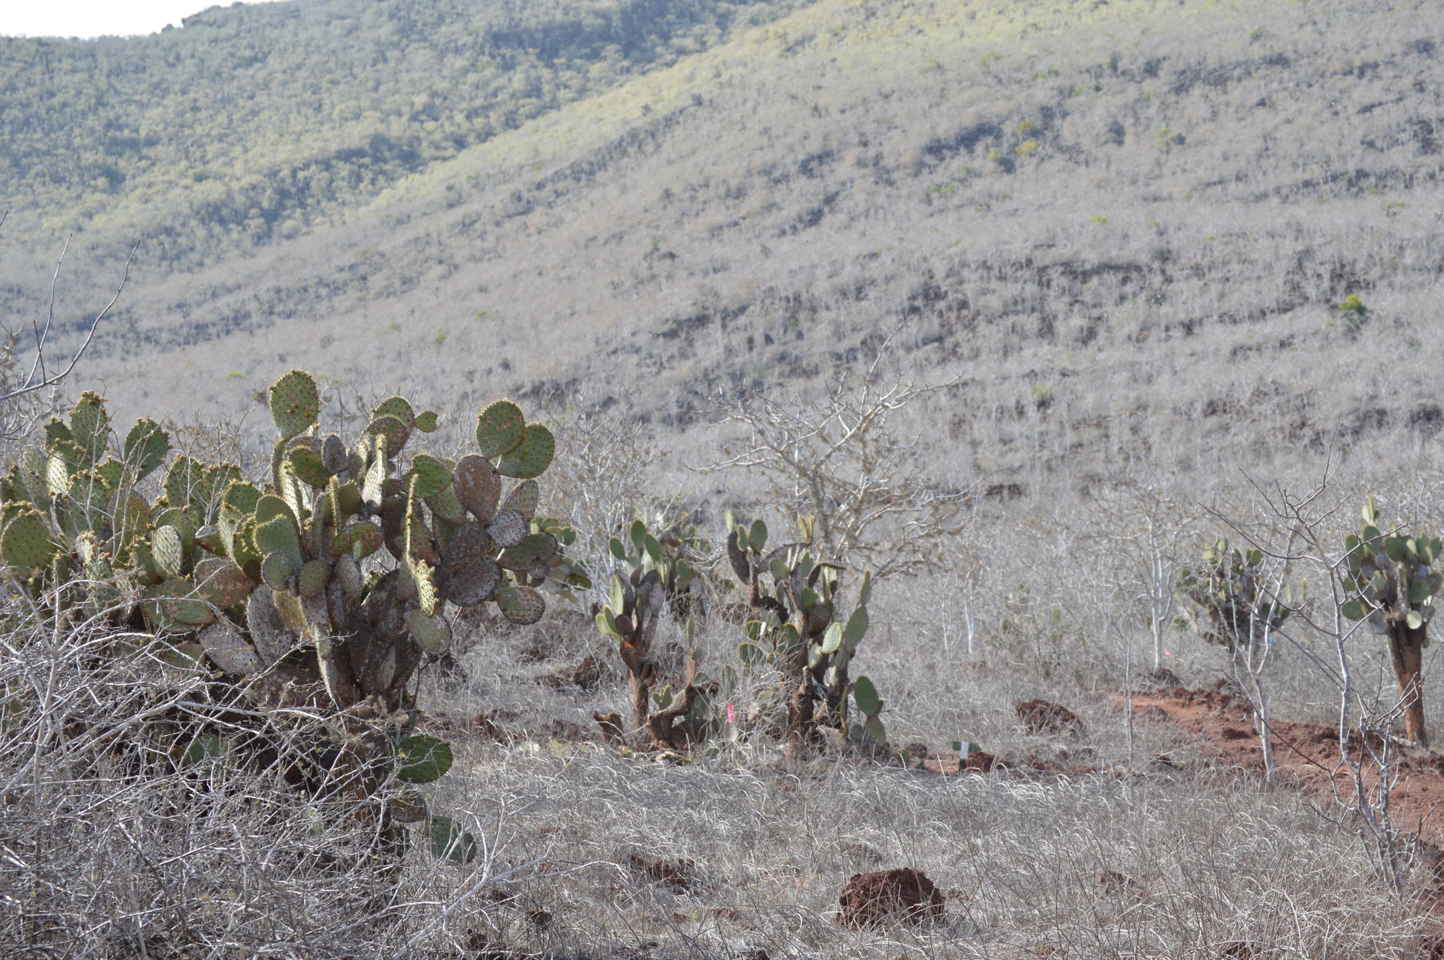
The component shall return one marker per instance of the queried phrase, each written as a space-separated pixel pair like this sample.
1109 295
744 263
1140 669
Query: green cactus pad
523 499
277 570
295 403
228 650
168 550
219 581
334 455
278 535
507 528
398 407
445 505
314 576
182 479
478 486
25 544
58 475
865 695
451 843
520 605
422 759
432 475
430 633
90 425
500 429
307 465
426 421
532 457
179 608
145 447
534 550
240 498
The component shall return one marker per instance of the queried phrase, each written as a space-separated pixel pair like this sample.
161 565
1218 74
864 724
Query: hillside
1163 273
1126 228
252 123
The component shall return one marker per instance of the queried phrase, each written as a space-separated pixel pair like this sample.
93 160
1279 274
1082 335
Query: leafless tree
842 465
25 378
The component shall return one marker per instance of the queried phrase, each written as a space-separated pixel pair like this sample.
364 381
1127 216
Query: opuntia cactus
1392 583
1231 589
797 628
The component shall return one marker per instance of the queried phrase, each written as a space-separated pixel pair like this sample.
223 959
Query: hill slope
1127 227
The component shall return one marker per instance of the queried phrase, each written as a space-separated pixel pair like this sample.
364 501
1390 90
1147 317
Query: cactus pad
393 431
532 456
500 429
90 425
523 499
266 626
305 462
25 544
432 475
168 550
468 573
227 649
478 486
534 550
432 634
520 605
398 407
507 528
295 403
146 446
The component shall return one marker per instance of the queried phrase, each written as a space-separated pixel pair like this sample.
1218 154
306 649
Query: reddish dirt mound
1042 717
874 899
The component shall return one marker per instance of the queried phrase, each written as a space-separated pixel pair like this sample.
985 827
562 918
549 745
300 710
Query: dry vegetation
1119 238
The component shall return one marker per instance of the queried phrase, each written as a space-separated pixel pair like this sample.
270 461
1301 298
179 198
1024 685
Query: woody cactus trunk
1392 583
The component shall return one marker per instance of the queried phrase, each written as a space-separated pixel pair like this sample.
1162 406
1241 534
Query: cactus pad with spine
500 429
25 544
477 485
532 456
295 403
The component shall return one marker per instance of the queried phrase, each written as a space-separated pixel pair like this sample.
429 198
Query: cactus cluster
1231 590
286 587
660 575
1390 575
79 531
797 627
672 548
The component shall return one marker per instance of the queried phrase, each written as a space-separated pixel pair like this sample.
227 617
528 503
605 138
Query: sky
95 18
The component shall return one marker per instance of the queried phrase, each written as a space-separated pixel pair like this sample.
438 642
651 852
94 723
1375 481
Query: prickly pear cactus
1392 581
76 528
359 541
1230 589
1391 576
797 628
673 548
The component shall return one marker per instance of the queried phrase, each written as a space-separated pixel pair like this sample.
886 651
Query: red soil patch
1306 758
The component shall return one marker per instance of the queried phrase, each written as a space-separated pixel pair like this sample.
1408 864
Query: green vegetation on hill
251 122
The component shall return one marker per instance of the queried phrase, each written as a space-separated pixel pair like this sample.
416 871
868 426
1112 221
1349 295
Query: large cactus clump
1392 584
797 627
660 575
1231 589
79 530
313 543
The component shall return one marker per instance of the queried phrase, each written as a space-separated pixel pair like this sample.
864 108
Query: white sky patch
95 18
